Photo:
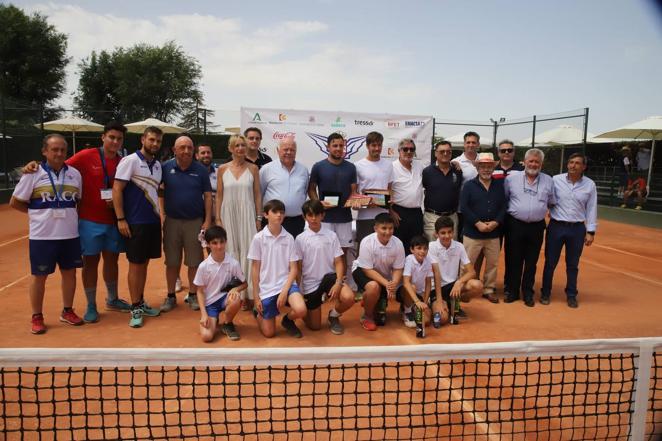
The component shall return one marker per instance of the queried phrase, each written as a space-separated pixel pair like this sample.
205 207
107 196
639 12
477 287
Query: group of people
277 236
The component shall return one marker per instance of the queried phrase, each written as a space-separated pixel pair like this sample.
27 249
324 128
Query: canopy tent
72 124
648 129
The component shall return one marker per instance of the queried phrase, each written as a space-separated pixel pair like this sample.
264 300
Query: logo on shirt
353 145
66 195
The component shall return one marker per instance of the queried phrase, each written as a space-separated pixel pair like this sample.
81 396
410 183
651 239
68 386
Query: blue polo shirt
184 190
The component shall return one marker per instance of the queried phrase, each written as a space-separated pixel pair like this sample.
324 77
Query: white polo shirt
407 186
51 218
275 254
449 259
373 175
418 271
318 252
212 276
469 170
382 258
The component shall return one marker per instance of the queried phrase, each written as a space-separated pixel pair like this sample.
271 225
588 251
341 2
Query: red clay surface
620 283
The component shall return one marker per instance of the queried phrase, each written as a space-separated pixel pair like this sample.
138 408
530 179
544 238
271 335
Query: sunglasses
444 152
408 149
506 150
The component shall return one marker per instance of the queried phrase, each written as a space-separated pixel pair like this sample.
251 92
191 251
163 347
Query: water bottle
420 325
380 316
436 320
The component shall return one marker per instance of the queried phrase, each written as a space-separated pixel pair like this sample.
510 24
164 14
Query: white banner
311 128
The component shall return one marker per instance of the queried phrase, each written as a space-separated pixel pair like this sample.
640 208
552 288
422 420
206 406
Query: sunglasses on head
506 150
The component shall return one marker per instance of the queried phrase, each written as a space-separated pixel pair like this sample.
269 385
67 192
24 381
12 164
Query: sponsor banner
310 129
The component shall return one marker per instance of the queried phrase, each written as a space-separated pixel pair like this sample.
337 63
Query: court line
14 282
625 273
13 240
627 252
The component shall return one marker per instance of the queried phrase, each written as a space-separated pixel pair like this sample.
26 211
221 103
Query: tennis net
557 390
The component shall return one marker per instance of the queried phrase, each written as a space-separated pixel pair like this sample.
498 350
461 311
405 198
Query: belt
525 222
439 213
406 208
567 223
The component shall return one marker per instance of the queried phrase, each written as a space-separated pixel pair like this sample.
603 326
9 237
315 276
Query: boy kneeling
219 281
322 270
274 270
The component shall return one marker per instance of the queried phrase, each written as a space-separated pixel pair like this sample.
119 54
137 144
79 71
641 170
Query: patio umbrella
649 128
72 124
140 126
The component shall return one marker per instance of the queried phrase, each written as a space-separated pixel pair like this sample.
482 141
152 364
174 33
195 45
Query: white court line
13 240
14 282
624 273
627 252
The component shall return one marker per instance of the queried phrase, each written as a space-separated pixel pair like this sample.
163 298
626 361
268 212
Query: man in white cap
483 204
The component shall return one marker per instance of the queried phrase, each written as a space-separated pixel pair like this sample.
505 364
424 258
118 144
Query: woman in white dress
238 206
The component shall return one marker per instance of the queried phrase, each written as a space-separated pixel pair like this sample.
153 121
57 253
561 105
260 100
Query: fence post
638 420
585 130
5 159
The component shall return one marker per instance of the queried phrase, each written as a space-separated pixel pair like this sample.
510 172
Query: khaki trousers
490 249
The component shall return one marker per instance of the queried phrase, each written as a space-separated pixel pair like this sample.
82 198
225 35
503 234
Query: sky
454 60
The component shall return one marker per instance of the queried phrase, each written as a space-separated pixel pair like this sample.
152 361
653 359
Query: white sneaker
408 319
178 285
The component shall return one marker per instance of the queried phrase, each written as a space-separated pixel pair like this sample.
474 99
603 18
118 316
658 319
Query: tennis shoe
148 310
368 324
38 326
71 318
229 330
169 304
91 315
118 305
572 302
136 318
335 326
192 302
409 319
178 285
291 327
544 300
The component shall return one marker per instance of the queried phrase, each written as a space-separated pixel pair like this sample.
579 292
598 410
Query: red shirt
88 163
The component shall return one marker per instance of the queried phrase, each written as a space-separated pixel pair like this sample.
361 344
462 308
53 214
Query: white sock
334 313
408 309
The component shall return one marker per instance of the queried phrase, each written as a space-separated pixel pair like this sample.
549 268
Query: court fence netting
545 390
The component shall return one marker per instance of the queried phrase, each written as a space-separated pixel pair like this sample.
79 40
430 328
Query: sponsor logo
282 117
352 145
338 123
283 135
257 117
363 122
413 123
392 124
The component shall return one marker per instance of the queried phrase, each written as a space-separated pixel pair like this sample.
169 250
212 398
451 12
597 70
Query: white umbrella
562 135
140 126
458 140
72 124
649 128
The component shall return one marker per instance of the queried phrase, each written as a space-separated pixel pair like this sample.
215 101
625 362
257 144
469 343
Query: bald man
287 181
188 208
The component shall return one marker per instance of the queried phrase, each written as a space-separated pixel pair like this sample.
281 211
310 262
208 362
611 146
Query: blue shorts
269 307
215 309
96 237
44 254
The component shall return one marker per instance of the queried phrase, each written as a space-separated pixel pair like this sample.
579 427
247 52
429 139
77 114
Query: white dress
238 217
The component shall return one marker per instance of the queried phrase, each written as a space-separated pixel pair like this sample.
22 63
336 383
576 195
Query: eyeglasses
408 149
444 152
506 151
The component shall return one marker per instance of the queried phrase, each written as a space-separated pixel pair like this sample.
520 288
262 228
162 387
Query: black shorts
400 293
314 299
144 243
362 280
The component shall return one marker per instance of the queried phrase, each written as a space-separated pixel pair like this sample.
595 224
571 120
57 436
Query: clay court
508 397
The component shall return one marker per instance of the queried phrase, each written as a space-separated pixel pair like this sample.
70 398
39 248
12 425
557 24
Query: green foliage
139 82
32 58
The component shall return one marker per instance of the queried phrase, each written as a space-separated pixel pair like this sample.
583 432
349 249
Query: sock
192 294
334 313
37 315
91 296
65 309
111 287
408 309
172 294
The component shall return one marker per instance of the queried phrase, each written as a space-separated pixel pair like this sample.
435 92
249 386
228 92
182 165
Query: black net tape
587 397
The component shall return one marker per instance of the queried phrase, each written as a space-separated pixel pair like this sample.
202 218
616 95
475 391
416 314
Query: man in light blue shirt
529 194
287 181
573 224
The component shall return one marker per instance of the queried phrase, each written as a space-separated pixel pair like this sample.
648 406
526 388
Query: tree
139 82
196 117
32 58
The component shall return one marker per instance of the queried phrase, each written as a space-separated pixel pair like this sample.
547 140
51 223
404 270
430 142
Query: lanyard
63 170
106 178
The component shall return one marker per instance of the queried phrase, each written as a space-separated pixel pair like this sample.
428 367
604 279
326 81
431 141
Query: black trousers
411 224
523 243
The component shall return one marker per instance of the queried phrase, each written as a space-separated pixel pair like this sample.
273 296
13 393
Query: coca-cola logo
282 135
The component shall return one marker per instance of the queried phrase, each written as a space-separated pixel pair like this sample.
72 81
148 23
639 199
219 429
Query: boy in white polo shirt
49 196
274 270
378 270
448 257
321 269
219 281
416 289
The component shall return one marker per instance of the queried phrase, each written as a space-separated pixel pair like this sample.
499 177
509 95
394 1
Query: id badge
59 213
107 194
